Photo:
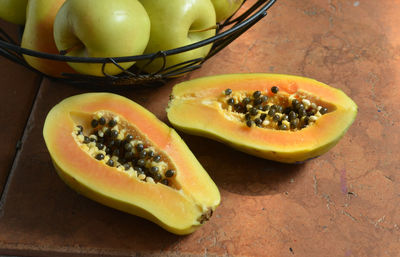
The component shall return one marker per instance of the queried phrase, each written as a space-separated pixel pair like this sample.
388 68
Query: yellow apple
38 36
225 8
177 23
13 11
101 28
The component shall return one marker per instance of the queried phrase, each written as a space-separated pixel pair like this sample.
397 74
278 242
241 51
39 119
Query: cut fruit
278 117
114 151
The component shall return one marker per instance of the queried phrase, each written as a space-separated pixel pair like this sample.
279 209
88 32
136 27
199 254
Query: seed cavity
116 143
275 109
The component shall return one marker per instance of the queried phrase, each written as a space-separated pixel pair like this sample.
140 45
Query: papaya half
278 117
114 151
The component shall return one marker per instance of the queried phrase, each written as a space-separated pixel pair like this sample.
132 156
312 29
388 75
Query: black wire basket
226 32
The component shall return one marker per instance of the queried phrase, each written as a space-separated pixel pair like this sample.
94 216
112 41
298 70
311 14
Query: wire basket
226 32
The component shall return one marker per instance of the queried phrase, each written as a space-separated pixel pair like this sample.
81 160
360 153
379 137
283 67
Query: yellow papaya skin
195 109
179 210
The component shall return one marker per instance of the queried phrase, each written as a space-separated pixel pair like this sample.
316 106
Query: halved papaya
114 151
278 117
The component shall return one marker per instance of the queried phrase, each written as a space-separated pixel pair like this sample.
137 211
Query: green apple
101 28
176 23
225 8
13 11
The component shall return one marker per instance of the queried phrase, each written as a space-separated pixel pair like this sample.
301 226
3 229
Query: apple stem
68 50
206 29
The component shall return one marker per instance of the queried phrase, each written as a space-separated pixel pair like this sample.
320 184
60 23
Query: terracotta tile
19 87
344 203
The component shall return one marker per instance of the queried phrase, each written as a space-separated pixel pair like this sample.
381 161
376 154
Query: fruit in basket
278 117
226 8
13 11
38 36
178 23
101 28
114 151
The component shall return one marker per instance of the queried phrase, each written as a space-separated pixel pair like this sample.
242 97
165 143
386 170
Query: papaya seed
100 146
302 112
169 173
80 130
165 182
256 94
114 133
129 138
249 123
274 89
138 170
143 154
94 123
99 156
115 152
294 123
283 127
253 111
102 121
157 177
108 150
265 108
141 162
299 106
128 146
139 147
150 154
128 155
231 101
305 120
110 163
292 115
154 169
86 140
228 91
271 112
264 98
157 158
279 108
323 110
246 100
258 101
238 108
112 123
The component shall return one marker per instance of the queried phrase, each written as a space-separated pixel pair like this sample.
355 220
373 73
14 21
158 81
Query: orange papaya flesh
214 107
180 203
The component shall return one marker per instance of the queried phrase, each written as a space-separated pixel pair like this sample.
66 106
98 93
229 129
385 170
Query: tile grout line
19 146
